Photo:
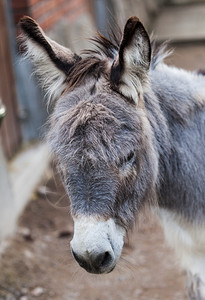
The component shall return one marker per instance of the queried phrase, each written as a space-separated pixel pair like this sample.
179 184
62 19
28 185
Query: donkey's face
101 136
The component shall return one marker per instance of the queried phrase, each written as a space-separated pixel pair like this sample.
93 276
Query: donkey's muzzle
97 263
96 243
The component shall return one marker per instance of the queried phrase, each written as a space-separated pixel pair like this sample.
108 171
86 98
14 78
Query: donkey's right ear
52 62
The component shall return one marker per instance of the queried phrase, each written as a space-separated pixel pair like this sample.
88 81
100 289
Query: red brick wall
49 12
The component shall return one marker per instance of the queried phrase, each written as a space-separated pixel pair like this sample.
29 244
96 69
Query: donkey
128 131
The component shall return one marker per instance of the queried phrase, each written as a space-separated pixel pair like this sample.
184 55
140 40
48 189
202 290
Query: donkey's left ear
52 62
129 72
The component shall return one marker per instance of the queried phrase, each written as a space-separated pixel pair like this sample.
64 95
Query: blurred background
25 161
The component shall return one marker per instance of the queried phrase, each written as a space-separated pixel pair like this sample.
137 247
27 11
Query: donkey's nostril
102 260
95 263
82 262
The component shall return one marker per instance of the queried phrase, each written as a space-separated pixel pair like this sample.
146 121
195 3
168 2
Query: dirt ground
37 263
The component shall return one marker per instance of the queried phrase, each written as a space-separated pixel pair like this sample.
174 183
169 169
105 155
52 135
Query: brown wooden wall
10 129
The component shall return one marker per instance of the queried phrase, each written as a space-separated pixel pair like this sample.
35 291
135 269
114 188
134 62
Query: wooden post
10 129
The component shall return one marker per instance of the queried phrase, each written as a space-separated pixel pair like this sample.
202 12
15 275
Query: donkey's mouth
92 271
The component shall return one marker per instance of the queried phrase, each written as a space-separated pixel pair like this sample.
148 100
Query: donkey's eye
130 156
127 160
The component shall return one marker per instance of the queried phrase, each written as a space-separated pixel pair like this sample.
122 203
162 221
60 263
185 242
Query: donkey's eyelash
126 159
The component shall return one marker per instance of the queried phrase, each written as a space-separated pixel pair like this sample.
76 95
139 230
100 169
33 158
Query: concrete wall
7 209
145 10
18 179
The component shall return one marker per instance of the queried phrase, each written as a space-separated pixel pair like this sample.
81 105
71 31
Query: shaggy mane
93 60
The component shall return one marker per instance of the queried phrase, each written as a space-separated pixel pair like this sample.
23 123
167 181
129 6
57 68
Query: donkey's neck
178 111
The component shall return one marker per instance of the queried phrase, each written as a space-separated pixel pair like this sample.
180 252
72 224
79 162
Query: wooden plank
181 23
10 129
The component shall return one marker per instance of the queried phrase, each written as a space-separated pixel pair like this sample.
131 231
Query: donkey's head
101 135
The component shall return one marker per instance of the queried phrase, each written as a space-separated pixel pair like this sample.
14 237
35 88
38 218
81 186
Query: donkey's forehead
102 107
90 90
95 127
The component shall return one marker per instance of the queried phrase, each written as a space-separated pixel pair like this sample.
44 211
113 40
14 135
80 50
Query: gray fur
176 115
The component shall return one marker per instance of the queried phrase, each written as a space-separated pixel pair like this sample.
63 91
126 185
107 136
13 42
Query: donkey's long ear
129 72
52 61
